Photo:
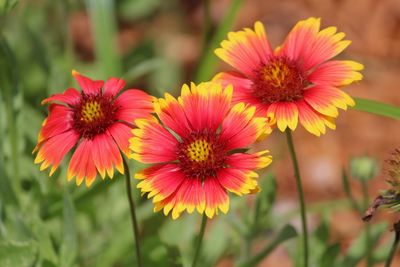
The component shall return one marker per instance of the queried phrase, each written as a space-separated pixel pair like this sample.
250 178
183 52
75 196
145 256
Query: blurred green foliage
49 222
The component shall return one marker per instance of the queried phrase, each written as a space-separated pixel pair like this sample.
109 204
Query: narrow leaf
286 233
69 246
209 60
21 254
377 108
103 22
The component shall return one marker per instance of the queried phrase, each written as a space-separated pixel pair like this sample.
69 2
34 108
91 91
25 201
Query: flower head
389 198
97 121
297 82
195 147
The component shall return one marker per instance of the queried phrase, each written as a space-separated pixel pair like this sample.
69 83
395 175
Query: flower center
91 111
281 79
93 115
201 155
199 151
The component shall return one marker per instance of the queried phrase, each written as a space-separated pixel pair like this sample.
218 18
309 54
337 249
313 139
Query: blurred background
157 46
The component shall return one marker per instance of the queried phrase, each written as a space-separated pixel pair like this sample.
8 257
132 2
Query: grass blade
286 233
103 22
209 61
377 108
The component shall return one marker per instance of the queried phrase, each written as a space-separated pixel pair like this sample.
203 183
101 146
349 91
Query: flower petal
325 46
53 150
240 128
312 120
321 102
171 114
106 155
240 182
246 50
70 96
216 197
327 99
89 86
152 143
59 120
133 104
121 134
82 165
336 73
160 181
101 153
190 196
113 86
249 161
285 114
297 43
206 104
305 43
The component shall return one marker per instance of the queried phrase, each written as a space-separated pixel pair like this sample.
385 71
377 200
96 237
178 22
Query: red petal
133 104
121 134
70 97
216 197
113 86
82 164
89 86
53 150
59 120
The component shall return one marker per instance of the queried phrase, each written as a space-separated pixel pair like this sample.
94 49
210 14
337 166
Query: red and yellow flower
295 83
97 121
195 146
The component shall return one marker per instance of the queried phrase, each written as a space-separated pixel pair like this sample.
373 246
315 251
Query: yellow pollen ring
91 111
198 151
276 74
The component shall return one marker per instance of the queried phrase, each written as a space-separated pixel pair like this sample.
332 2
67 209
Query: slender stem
133 212
199 240
301 195
395 244
368 252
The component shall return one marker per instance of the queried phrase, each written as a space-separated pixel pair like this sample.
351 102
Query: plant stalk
368 244
301 196
389 260
199 240
133 213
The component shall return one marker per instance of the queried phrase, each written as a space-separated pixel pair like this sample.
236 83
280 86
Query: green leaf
357 249
382 252
216 242
138 9
209 61
7 5
328 259
69 245
142 69
264 203
377 108
103 21
9 87
286 233
42 235
21 254
322 232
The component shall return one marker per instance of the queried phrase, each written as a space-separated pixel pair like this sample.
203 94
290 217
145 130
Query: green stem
199 240
133 212
301 195
368 244
395 244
